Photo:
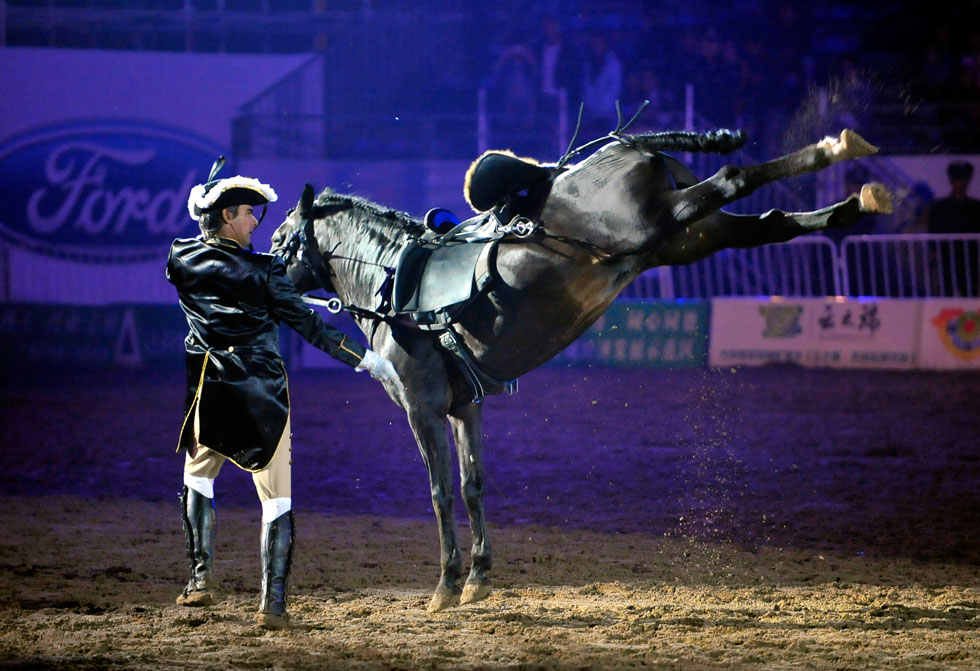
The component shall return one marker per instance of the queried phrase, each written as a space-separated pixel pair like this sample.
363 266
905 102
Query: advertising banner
950 331
669 334
98 151
92 208
655 334
833 332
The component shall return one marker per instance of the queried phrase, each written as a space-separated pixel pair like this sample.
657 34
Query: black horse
596 225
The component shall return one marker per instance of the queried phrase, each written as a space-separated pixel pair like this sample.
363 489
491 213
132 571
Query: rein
301 244
615 134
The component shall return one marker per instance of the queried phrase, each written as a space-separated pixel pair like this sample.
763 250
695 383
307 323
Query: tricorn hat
216 194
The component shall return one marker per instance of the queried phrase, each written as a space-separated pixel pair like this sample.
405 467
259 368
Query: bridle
301 244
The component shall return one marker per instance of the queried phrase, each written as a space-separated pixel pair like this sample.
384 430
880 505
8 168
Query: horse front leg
467 426
734 182
430 434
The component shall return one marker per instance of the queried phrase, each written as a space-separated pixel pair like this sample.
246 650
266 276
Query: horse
597 224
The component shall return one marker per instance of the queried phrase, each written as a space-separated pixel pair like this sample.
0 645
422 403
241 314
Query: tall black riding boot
277 556
197 511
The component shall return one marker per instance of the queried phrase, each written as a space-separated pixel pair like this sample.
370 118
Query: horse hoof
876 199
849 145
196 598
856 146
444 598
476 591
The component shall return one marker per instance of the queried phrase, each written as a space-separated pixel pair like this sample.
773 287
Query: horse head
296 242
343 244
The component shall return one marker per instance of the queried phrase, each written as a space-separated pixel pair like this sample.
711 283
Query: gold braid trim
197 397
349 351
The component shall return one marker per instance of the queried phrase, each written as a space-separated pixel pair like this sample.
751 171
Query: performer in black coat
237 404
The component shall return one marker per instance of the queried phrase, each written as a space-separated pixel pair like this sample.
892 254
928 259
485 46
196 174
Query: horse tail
721 141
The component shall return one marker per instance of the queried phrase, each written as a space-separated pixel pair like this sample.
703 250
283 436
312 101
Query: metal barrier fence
890 266
911 266
801 267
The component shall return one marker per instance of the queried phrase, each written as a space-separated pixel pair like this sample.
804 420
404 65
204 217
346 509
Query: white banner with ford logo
98 151
95 205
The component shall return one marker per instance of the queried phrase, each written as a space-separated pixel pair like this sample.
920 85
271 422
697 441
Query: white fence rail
802 267
893 266
911 266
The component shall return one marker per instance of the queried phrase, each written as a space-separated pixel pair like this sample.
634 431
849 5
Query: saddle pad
430 278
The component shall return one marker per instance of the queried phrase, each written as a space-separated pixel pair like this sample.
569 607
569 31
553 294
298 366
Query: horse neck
363 248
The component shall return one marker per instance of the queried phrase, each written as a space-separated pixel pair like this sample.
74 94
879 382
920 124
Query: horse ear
306 200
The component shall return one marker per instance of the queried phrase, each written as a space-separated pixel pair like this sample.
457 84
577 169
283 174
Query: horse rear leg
732 182
467 426
722 230
430 434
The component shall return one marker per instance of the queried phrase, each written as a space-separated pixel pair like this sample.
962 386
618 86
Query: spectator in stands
237 403
956 213
513 84
935 74
716 77
560 64
663 112
602 86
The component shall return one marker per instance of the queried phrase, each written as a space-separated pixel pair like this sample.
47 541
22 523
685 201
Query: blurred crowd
749 64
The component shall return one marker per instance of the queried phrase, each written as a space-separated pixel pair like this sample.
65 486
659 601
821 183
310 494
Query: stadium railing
888 266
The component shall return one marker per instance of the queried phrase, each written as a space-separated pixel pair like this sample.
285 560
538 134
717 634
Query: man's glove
381 369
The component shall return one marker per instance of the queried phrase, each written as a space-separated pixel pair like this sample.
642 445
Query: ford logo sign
101 192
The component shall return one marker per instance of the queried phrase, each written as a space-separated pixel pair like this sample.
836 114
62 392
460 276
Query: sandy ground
776 518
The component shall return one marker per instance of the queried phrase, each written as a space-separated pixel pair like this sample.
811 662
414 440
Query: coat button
231 348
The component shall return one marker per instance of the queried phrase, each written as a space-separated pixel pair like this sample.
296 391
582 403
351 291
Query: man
237 404
602 86
956 213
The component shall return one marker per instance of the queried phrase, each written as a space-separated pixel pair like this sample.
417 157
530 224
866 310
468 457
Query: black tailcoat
234 300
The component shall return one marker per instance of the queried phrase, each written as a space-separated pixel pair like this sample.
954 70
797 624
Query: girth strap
478 380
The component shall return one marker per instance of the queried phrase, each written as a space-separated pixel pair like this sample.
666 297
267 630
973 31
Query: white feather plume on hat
241 190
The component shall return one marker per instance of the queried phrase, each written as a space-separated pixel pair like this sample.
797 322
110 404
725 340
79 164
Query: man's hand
381 370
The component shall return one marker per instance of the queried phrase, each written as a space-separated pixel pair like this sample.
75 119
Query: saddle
434 282
442 272
498 177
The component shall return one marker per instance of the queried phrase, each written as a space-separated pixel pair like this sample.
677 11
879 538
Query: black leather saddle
498 176
434 282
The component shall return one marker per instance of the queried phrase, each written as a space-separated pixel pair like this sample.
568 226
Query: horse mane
721 141
330 202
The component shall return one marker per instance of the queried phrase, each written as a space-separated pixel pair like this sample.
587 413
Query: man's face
239 226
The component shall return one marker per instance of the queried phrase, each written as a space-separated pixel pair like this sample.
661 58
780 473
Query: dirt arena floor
773 518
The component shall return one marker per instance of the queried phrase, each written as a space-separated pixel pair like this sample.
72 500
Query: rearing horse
599 223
